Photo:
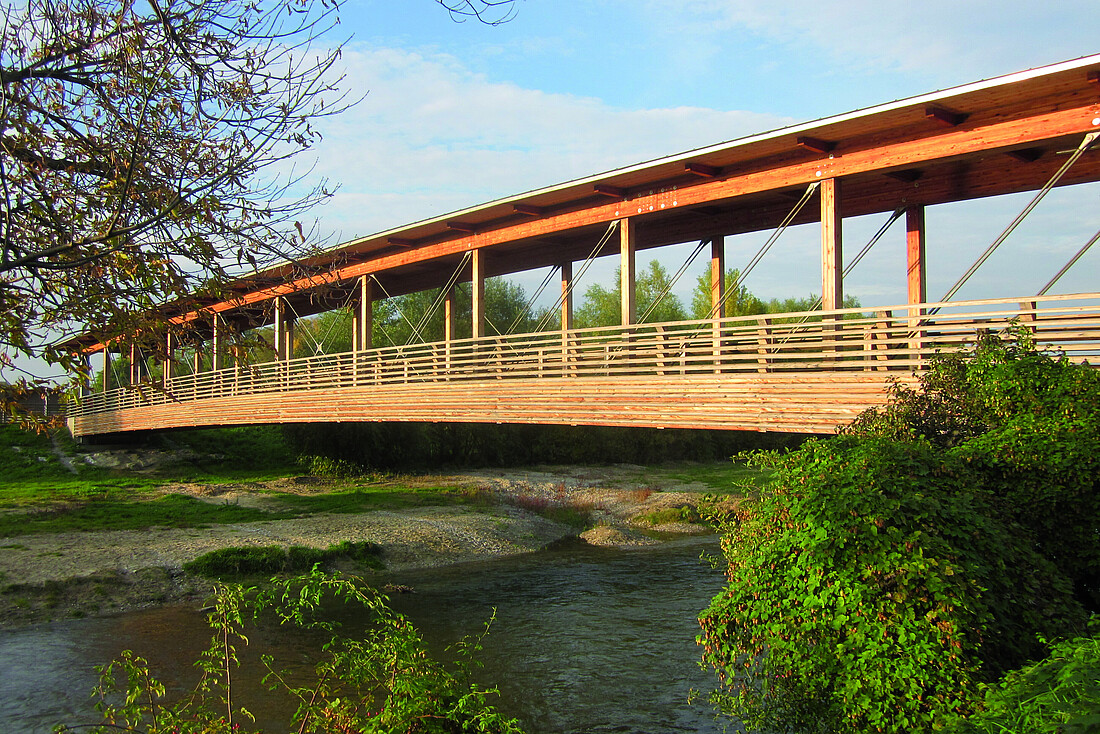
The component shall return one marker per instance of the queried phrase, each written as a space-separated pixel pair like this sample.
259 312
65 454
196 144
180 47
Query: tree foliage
890 571
603 306
144 155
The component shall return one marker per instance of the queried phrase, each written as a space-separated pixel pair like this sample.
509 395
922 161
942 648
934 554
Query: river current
585 640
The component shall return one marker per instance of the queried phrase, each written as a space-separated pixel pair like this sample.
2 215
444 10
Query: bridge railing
901 338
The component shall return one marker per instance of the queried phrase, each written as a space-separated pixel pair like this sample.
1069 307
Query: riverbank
75 574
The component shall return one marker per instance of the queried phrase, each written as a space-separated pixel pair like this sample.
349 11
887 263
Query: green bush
871 588
1058 695
889 572
234 562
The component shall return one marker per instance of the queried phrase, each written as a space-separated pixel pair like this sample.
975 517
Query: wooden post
106 367
832 257
218 344
477 309
627 245
135 373
362 317
717 293
566 312
169 357
915 274
448 329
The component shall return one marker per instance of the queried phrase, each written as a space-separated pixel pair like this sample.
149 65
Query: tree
739 302
145 157
602 306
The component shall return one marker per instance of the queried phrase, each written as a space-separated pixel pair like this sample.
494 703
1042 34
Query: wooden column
914 249
169 356
627 245
217 344
717 275
106 368
915 272
566 312
135 372
284 331
832 256
717 293
448 326
477 307
362 317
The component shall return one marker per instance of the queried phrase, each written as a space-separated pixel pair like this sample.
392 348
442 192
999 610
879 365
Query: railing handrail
900 337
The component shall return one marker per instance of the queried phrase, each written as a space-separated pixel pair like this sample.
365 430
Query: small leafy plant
382 681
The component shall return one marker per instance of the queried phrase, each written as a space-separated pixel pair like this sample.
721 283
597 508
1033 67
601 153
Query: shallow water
585 640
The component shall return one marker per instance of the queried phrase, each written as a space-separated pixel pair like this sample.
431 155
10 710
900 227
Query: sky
456 114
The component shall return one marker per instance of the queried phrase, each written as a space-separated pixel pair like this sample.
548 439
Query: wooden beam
365 314
945 116
628 241
401 241
608 190
832 257
466 227
906 176
1094 76
702 169
817 145
1026 155
527 209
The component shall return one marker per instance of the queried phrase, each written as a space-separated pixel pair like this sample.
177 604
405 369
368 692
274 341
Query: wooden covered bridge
803 372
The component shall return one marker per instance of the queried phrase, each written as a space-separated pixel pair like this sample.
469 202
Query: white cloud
432 136
950 39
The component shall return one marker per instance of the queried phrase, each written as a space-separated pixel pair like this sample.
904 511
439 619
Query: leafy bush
1059 695
1029 423
871 589
237 561
381 681
888 572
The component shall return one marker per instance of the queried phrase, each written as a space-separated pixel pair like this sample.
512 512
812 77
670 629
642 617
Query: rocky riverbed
60 575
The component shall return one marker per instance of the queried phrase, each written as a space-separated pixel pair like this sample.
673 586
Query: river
585 640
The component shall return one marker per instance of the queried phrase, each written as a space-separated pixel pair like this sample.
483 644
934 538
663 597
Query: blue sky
457 114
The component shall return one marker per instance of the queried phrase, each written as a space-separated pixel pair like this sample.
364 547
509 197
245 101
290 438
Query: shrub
871 588
235 562
1058 695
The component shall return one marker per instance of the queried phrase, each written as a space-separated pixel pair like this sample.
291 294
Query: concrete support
832 255
477 278
627 244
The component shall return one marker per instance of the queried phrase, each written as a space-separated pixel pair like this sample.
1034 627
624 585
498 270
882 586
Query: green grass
237 562
723 478
366 499
171 511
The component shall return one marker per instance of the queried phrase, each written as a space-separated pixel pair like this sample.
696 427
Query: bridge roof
987 138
